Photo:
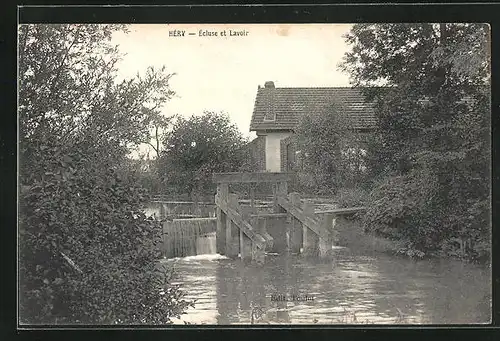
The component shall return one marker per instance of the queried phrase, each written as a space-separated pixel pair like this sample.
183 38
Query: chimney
269 85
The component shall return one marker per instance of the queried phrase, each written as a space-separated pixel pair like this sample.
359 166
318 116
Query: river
348 289
351 288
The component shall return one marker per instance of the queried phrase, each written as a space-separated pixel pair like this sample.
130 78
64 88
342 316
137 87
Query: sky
222 73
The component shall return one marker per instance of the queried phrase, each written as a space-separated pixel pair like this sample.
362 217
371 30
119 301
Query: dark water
348 289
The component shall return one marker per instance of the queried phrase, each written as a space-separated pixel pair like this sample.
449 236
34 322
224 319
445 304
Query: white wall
273 156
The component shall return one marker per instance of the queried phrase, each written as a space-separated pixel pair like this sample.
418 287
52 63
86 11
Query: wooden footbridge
248 233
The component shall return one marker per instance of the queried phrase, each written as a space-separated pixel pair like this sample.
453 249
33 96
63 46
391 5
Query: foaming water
188 259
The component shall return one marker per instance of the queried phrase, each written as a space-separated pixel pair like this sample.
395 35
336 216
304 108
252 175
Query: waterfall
189 237
205 244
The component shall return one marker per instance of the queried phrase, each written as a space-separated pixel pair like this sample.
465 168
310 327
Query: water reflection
347 289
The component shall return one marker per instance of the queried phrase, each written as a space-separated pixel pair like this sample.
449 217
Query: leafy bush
333 152
88 254
412 210
351 197
433 118
401 208
196 148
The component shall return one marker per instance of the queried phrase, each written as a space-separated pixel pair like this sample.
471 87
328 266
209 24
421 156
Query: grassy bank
350 234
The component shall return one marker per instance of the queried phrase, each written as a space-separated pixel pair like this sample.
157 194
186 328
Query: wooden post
220 235
162 211
252 198
232 233
310 239
275 197
167 240
325 244
258 254
294 226
245 247
281 190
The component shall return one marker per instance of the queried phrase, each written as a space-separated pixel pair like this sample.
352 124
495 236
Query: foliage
145 171
158 125
196 148
88 211
69 86
433 118
332 150
400 208
88 254
351 197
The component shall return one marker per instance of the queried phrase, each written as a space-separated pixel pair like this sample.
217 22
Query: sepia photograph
254 174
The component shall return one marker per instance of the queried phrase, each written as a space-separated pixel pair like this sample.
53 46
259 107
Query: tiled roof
287 105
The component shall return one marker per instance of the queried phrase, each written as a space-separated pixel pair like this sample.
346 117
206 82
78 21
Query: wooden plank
257 177
295 241
325 245
298 213
236 218
195 219
261 227
252 197
340 211
175 236
245 247
220 239
232 238
310 242
269 215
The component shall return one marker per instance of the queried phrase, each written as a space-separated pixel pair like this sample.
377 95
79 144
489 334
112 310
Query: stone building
278 111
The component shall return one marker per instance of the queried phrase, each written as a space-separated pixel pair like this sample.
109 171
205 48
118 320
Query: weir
188 237
293 226
241 228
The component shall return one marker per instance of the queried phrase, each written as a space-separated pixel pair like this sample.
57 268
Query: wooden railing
232 209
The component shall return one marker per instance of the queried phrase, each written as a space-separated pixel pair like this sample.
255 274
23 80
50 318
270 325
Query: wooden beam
298 213
342 211
269 215
325 245
295 233
245 247
232 238
256 177
242 224
221 234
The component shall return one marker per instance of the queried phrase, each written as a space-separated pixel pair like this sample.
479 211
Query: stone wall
256 155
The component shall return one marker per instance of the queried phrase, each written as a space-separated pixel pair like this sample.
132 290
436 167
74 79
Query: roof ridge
290 103
323 87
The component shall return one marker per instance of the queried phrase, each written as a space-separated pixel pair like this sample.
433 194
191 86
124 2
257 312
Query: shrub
403 208
351 197
88 254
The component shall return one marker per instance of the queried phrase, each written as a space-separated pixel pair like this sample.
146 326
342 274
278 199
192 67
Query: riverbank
352 235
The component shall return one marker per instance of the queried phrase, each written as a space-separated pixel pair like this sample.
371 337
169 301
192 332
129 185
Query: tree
433 118
159 124
333 151
69 86
196 148
88 254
